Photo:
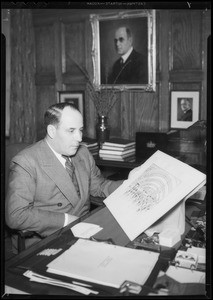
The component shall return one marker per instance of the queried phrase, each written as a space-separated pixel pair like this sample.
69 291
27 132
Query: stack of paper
78 287
104 264
85 230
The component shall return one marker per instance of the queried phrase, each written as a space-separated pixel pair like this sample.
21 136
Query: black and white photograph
106 181
184 108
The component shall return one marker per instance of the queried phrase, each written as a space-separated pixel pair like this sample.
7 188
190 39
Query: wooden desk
116 170
127 164
15 267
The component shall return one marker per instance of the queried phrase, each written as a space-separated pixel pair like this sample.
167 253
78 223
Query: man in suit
131 67
41 196
186 114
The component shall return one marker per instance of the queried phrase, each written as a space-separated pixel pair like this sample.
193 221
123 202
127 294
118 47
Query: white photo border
193 96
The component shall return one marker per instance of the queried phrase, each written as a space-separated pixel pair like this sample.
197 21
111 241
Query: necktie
121 61
71 171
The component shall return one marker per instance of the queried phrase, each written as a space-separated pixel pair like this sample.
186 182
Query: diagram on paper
150 188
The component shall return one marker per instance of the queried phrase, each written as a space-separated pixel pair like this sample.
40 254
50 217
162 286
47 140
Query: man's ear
51 131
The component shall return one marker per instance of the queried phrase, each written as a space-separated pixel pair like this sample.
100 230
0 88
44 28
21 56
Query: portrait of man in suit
130 67
185 110
123 46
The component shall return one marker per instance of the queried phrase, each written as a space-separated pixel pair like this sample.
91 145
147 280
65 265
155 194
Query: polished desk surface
101 216
13 271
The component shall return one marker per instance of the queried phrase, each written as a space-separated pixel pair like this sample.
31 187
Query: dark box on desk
147 143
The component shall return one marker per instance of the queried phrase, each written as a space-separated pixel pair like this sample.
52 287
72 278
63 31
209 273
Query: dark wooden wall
181 65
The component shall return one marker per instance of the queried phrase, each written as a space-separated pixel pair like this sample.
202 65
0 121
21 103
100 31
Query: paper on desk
201 253
47 280
105 264
200 194
183 275
85 230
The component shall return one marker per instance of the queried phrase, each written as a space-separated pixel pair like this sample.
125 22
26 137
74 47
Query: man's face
184 105
68 134
122 42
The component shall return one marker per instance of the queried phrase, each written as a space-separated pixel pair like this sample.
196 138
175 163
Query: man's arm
21 209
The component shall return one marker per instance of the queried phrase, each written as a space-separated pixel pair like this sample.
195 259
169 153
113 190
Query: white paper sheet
85 230
47 280
105 264
158 185
201 253
186 275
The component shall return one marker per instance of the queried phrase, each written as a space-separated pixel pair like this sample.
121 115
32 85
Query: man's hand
69 219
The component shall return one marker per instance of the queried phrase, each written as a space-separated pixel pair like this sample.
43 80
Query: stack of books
91 144
117 149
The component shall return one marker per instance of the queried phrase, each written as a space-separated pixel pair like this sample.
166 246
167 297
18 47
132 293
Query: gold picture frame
142 25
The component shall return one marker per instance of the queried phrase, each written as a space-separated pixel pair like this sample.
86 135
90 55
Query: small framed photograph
74 97
184 108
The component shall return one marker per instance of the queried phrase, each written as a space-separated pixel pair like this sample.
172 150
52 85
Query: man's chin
74 151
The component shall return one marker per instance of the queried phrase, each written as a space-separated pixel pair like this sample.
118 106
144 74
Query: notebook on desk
149 142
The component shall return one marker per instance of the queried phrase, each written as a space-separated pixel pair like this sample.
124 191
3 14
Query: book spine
114 152
118 145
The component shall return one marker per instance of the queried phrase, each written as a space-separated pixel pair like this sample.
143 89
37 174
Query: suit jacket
40 190
187 116
133 71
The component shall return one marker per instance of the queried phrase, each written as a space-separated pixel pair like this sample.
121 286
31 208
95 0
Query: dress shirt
125 56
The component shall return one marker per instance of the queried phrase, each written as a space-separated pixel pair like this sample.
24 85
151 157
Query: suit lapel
81 175
57 173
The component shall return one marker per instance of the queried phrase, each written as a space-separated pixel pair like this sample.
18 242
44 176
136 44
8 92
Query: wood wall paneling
186 40
44 49
74 47
46 96
146 114
180 65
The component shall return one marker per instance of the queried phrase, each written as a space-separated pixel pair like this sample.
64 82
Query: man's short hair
128 32
52 115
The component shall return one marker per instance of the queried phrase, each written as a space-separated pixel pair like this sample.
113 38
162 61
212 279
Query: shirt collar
125 56
59 156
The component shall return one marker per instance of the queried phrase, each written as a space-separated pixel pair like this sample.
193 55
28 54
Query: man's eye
119 40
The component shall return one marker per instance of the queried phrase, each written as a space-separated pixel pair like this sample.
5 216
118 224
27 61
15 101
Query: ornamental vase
102 130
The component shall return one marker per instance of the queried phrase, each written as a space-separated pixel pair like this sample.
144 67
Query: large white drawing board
156 187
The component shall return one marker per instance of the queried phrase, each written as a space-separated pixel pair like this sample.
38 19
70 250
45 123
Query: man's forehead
71 117
120 32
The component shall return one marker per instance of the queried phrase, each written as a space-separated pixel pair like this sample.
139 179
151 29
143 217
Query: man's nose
117 43
78 136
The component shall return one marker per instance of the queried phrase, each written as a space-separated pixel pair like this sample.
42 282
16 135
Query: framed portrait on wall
124 50
74 97
184 108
